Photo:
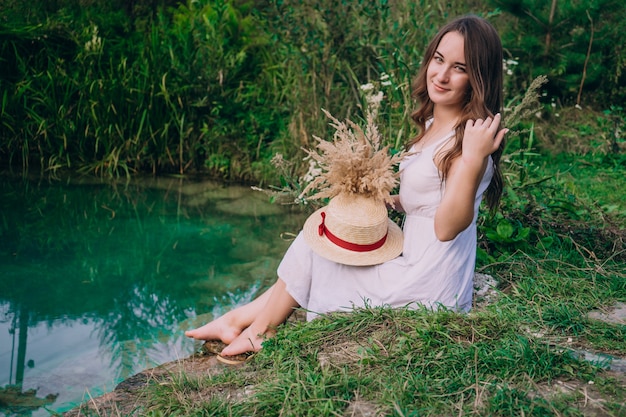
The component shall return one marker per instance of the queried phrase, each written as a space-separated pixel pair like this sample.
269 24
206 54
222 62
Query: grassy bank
518 355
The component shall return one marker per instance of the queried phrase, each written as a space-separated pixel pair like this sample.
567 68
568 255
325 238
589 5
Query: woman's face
446 76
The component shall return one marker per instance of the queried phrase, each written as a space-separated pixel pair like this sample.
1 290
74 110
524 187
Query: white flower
367 87
507 64
375 99
373 102
313 171
95 44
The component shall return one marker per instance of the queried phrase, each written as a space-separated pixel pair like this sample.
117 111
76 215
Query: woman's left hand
482 138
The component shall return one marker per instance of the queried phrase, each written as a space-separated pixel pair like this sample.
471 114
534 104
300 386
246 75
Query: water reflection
98 282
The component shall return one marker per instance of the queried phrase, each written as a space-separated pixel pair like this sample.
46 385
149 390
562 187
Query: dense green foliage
181 93
219 87
577 44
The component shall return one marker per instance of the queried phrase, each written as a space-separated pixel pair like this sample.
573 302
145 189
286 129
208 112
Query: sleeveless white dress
429 272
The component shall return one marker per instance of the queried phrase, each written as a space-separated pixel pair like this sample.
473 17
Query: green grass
400 362
515 356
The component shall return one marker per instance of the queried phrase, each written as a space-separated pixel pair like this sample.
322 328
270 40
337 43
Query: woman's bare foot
248 340
245 328
227 327
222 328
278 306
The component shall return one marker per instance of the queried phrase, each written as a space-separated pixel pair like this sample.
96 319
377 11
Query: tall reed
209 86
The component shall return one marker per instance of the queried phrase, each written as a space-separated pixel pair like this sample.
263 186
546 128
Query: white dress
429 272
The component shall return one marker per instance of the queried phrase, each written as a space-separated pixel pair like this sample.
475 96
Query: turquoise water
99 281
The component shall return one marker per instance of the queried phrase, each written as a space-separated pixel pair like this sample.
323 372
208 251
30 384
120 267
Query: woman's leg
227 327
280 304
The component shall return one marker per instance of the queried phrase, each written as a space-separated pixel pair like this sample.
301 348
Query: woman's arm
456 210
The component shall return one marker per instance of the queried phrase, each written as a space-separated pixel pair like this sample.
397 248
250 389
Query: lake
98 281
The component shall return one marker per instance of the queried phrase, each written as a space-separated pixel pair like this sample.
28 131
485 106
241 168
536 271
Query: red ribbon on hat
323 230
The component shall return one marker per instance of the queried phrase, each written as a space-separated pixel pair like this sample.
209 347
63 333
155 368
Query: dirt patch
616 314
589 398
129 397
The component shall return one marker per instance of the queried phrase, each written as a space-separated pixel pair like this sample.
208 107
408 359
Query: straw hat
354 229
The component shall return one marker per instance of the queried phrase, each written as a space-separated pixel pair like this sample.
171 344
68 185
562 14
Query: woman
451 164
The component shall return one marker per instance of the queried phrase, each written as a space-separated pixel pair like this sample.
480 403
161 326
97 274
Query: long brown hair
483 57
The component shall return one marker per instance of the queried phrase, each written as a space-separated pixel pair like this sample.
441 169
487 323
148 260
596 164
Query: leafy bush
190 90
576 44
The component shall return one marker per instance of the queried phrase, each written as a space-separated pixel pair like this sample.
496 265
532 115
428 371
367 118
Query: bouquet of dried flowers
355 161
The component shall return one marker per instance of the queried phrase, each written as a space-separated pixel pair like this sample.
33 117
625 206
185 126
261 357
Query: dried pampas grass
354 162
